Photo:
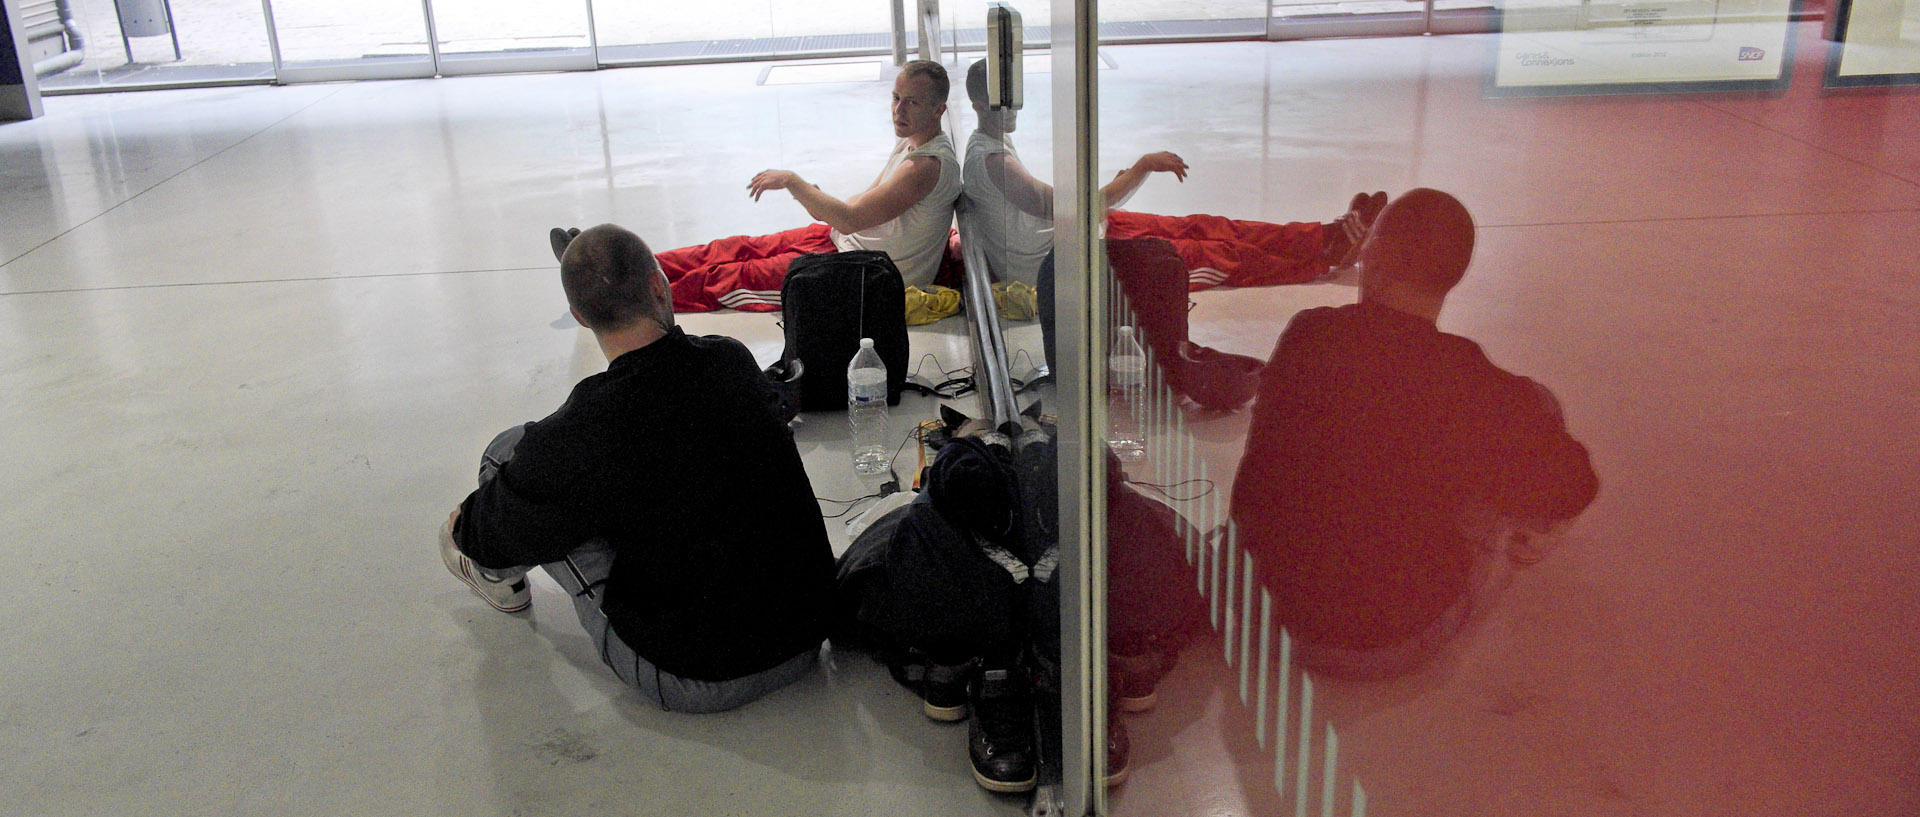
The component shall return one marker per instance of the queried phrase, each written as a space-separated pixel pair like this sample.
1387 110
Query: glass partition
352 39
632 32
480 36
1432 498
104 45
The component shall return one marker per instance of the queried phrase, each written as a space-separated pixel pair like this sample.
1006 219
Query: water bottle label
867 386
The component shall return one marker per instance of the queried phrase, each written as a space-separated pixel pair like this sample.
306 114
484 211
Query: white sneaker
506 595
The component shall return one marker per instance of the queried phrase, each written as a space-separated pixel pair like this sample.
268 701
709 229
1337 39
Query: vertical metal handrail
990 370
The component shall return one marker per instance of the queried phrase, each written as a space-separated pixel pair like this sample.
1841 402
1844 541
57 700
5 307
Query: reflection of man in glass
1385 455
1012 212
907 213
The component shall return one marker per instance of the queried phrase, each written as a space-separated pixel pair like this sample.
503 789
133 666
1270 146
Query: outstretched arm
1035 197
877 205
1121 188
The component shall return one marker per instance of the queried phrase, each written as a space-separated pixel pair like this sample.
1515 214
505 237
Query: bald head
1420 244
613 282
977 83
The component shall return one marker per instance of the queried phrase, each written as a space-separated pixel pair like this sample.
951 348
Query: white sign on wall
1627 46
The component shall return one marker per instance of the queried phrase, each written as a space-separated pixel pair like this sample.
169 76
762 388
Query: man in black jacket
1385 457
700 594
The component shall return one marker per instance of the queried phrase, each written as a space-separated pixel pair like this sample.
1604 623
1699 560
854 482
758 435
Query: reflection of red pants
1221 251
742 272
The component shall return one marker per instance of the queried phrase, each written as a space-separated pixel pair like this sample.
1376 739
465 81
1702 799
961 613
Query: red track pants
1224 252
741 272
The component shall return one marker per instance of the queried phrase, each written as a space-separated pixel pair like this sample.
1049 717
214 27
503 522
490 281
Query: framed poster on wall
1571 47
1875 42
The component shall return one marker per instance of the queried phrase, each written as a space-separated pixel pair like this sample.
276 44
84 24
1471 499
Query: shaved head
612 280
1421 243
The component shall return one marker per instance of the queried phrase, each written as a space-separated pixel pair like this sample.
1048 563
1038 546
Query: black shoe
559 238
1346 233
1000 740
1217 380
943 691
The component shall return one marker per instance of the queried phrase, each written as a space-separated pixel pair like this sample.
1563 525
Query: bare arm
877 205
1035 197
1129 180
1026 193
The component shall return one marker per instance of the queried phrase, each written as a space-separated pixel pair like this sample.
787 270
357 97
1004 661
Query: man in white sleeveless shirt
1011 212
907 213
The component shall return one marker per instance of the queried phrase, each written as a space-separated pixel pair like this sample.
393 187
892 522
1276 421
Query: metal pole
929 30
899 32
433 35
1080 302
172 30
990 344
273 38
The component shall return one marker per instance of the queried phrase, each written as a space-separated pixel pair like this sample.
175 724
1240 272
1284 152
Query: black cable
949 388
944 371
1167 490
851 504
891 486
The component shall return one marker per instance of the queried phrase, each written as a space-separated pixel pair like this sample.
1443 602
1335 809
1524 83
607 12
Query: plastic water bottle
867 411
1126 382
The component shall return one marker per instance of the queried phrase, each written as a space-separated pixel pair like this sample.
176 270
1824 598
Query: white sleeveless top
917 239
1015 241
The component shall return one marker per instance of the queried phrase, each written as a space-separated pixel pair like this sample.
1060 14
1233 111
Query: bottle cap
1126 331
866 343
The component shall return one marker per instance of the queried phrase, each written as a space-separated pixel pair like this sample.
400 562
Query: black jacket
676 457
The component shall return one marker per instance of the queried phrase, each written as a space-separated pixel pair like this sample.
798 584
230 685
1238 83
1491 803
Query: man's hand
1121 188
1163 162
773 180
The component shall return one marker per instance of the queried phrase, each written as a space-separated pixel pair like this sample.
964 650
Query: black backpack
831 301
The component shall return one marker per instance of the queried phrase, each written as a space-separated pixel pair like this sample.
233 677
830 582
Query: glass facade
1616 523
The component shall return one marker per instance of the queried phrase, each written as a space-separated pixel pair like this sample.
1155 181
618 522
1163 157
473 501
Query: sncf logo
1751 54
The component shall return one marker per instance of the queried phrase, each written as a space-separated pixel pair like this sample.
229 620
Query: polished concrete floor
251 341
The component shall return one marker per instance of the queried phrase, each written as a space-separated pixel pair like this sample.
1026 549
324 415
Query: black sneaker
1000 740
1119 747
943 691
559 238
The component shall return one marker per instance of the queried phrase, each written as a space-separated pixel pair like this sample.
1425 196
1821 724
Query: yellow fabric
931 304
1017 301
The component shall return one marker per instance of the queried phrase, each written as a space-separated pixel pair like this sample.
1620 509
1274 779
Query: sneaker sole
1118 777
944 714
1001 787
1139 704
514 608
